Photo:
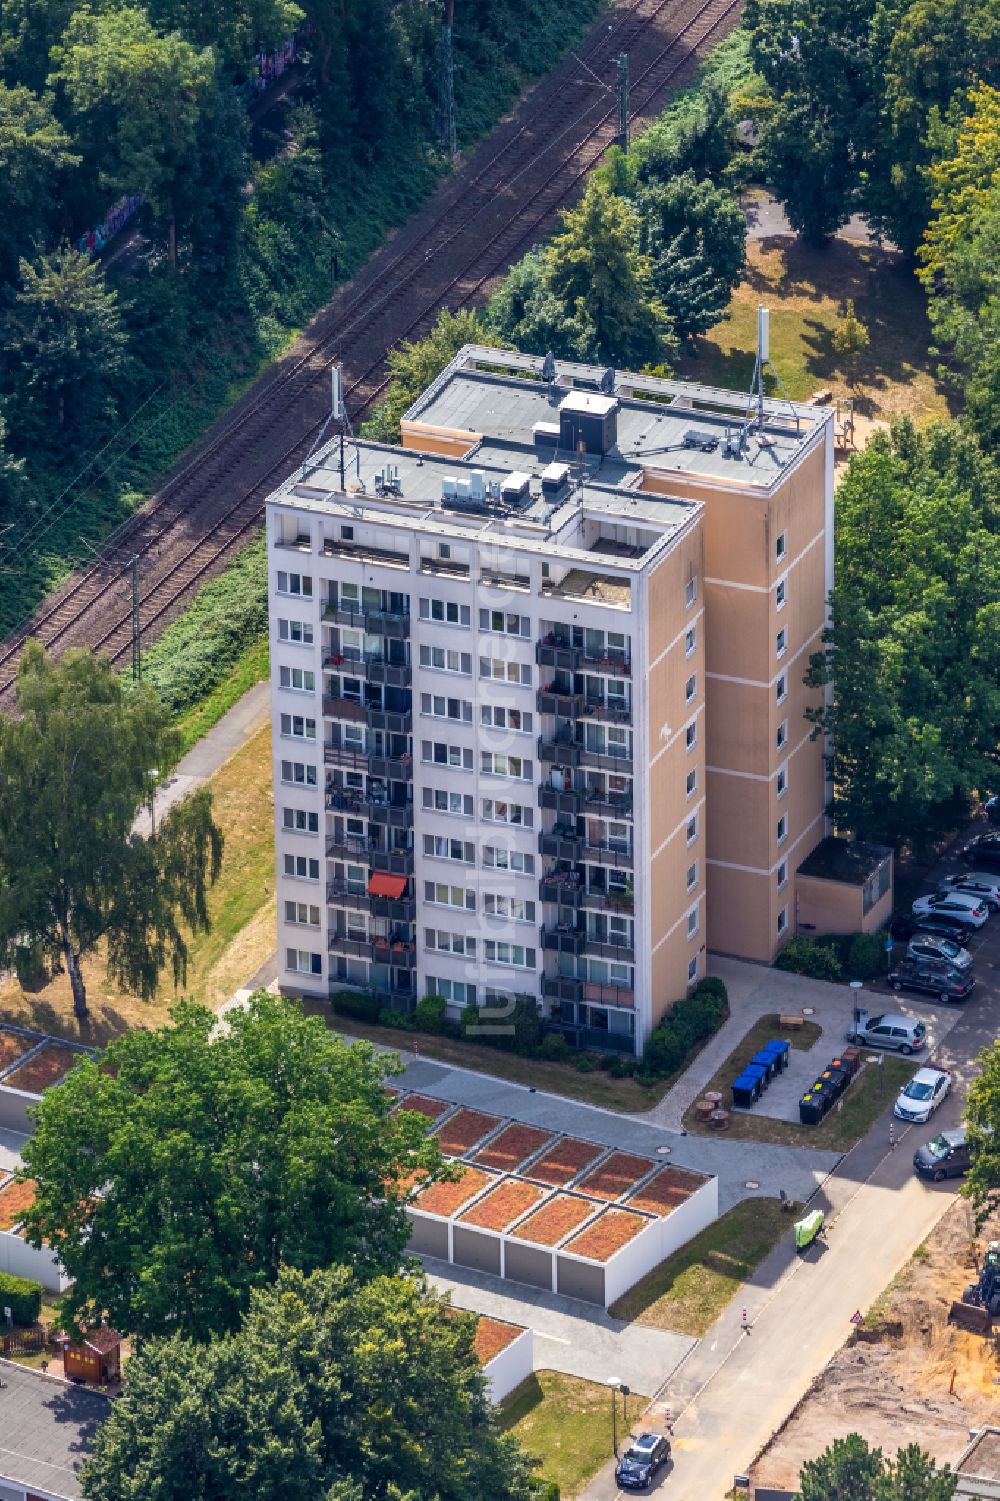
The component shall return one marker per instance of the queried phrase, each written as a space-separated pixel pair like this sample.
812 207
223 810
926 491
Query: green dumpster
807 1229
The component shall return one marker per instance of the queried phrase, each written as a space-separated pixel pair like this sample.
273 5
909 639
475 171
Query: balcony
445 568
593 1037
567 705
392 721
608 853
387 768
605 760
561 843
609 711
391 862
608 901
556 651
584 800
349 847
563 939
375 669
617 996
562 749
341 894
377 810
564 890
618 953
562 801
398 949
562 988
345 708
364 552
391 623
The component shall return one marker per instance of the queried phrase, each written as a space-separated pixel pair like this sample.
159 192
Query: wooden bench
791 1022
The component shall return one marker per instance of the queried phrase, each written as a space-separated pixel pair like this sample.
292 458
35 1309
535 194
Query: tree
850 1469
236 30
850 336
184 1168
915 634
138 98
696 233
331 1388
982 1114
960 259
412 367
67 342
75 766
35 153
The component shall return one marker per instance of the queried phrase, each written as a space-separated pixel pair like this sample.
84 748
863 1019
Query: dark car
641 1460
934 976
983 850
944 1156
905 928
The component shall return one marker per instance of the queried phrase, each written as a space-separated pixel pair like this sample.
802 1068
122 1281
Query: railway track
483 218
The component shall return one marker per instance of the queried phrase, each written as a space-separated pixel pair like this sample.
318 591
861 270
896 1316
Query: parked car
641 1460
984 887
934 976
888 1030
991 808
933 946
944 1156
966 909
919 1099
983 850
903 928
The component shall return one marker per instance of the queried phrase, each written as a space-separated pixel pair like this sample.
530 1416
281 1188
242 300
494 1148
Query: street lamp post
614 1384
154 774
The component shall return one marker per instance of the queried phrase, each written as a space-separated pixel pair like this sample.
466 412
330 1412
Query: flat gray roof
47 1429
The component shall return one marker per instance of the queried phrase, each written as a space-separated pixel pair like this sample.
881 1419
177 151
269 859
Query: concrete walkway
569 1336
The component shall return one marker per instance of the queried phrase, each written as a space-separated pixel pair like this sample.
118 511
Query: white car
986 888
919 1099
970 910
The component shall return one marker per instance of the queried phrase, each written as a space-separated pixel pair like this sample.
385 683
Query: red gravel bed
662 1194
460 1134
567 1158
600 1241
46 1068
615 1177
15 1200
504 1205
492 1336
423 1105
446 1198
556 1219
508 1150
12 1046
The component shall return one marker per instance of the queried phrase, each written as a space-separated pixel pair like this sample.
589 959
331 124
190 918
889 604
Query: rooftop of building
978 1466
47 1429
847 860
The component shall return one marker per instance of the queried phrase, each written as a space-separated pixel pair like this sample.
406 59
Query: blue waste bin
763 1072
779 1049
746 1091
767 1060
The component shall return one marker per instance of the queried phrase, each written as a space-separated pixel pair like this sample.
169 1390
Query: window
444 611
692 970
782 827
781 642
303 963
302 914
296 727
502 624
298 678
781 689
691 736
506 766
441 895
781 594
443 800
782 875
514 954
347 533
443 660
691 782
437 753
782 735
503 671
690 688
690 641
690 593
779 547
300 820
302 868
781 780
782 920
496 858
295 583
440 847
444 549
298 774
495 811
439 707
448 943
512 907
692 829
298 631
692 876
692 922
517 721
456 991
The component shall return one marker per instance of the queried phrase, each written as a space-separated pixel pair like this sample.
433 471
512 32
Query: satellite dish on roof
608 381
549 367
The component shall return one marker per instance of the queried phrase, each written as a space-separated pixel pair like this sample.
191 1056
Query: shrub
21 1296
430 1014
554 1047
711 985
584 1065
357 1003
866 956
395 1019
687 1023
805 956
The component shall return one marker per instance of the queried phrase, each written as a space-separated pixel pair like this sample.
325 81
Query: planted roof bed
601 1240
16 1198
460 1134
48 1066
514 1144
494 1335
615 1176
446 1198
555 1220
564 1161
670 1187
422 1104
504 1205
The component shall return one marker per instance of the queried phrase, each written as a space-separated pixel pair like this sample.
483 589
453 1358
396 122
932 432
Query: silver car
899 1034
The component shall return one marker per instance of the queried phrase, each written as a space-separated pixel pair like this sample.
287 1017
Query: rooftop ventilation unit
698 438
555 479
546 435
388 482
590 418
515 490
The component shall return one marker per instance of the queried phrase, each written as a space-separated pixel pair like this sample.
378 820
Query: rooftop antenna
549 368
337 414
754 420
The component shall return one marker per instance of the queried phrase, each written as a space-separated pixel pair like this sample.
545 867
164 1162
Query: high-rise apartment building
538 702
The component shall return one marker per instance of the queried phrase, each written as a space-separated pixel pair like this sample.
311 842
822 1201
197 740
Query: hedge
357 1003
22 1296
835 956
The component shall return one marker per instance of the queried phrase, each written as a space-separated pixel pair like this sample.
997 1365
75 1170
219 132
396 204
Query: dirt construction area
891 1381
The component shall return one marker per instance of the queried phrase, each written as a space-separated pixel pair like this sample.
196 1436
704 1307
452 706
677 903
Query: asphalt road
737 1388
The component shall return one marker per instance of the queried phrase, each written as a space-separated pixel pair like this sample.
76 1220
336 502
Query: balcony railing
593 1037
376 810
568 705
561 799
391 623
603 948
608 853
348 847
559 653
579 800
371 667
563 750
563 940
341 894
561 844
387 768
392 721
392 862
568 988
401 951
608 901
612 711
345 708
566 893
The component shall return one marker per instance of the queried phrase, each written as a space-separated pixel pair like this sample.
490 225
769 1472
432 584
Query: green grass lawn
688 1291
864 1101
566 1423
249 669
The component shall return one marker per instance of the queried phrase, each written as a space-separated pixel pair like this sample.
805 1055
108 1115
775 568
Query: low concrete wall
22 1260
506 1371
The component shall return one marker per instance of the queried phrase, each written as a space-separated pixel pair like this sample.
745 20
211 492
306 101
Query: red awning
380 885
